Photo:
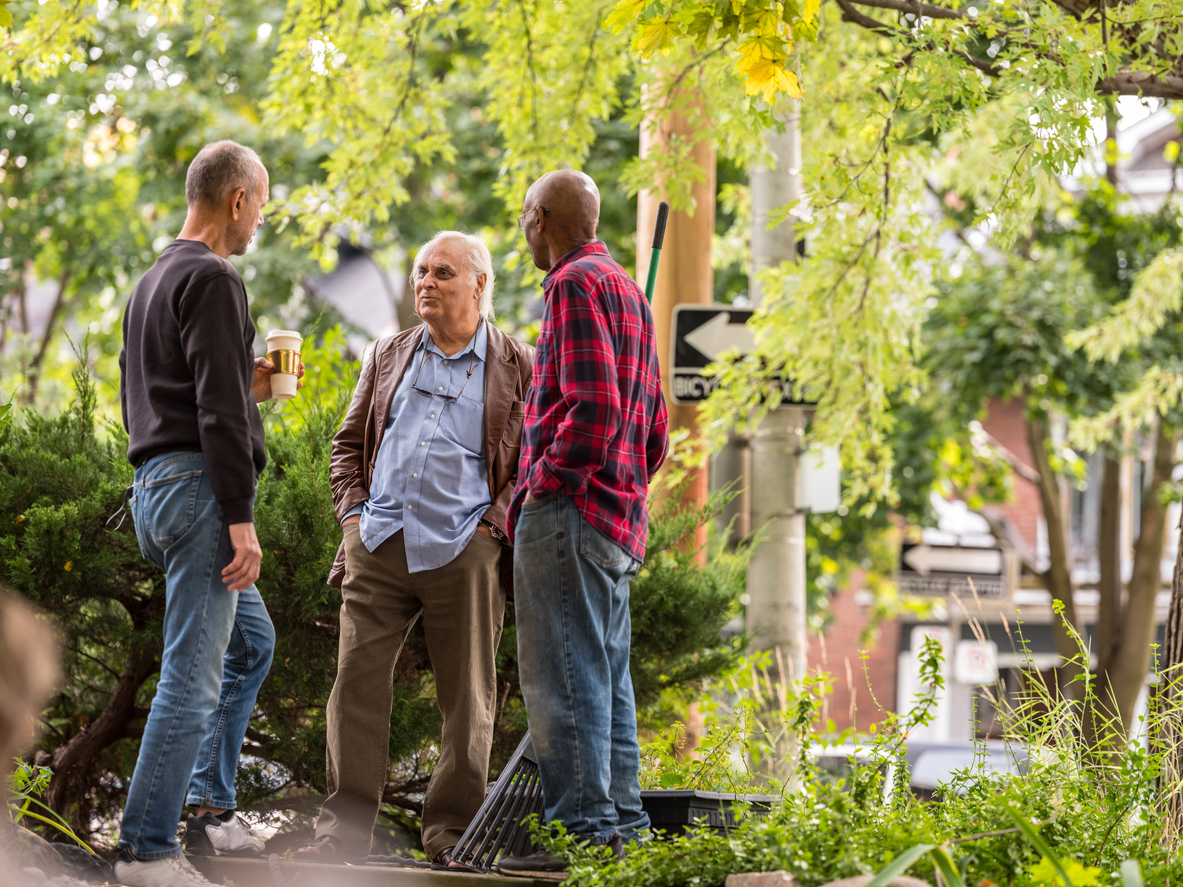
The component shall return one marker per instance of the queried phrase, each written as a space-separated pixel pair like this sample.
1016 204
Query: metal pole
776 577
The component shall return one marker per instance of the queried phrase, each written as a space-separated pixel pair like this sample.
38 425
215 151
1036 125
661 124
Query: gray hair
219 169
480 261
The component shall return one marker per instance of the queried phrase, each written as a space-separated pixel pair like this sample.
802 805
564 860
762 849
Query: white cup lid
291 334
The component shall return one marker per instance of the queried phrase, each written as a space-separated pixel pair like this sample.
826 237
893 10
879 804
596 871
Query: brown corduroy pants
462 606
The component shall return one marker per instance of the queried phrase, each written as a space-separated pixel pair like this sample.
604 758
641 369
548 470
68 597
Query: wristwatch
497 534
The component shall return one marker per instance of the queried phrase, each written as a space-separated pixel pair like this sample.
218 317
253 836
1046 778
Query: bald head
561 213
573 200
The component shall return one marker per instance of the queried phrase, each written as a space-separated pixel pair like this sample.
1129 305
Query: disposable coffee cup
283 350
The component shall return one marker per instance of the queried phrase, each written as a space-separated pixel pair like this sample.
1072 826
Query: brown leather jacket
509 365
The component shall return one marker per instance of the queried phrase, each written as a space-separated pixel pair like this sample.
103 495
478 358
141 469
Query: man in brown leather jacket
423 469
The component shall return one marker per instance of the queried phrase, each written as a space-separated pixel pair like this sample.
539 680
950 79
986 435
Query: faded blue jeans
571 589
217 651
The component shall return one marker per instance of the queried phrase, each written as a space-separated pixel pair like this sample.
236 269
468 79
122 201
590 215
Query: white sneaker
173 871
206 835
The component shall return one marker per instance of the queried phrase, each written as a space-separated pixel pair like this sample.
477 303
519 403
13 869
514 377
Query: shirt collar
478 344
595 248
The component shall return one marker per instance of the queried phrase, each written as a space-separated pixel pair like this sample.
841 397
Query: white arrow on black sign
925 559
719 335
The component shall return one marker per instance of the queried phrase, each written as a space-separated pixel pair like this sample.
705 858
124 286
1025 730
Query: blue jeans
217 651
571 588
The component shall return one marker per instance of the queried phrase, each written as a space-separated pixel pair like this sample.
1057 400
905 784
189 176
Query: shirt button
416 474
410 508
422 443
433 415
445 363
441 388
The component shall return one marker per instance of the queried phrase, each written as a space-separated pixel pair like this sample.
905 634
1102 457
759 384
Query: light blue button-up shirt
430 476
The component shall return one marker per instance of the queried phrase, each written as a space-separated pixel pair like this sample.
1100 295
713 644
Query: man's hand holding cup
279 374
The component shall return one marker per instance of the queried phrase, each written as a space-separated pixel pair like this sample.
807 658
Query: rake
497 830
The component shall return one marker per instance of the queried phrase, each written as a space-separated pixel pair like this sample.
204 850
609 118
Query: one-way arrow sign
720 334
702 335
944 570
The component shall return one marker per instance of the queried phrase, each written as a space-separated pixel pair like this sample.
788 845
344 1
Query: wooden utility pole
684 276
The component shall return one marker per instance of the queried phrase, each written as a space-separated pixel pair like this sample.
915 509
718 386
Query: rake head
497 829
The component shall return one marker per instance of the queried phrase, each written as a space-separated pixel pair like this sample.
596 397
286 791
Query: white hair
480 261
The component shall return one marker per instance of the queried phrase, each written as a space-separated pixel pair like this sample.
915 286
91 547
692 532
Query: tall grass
1091 808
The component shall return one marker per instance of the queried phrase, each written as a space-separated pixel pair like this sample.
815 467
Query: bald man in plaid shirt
596 431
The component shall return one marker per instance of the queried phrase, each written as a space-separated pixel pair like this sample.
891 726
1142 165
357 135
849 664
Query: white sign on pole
976 662
819 472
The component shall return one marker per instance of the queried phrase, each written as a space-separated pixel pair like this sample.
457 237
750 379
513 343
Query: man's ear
238 203
480 283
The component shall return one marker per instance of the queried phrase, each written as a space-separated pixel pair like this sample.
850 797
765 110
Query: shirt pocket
463 423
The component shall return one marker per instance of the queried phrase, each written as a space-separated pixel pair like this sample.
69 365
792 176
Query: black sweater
186 368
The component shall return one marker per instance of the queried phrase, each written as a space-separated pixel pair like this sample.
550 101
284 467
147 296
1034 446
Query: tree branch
926 9
1139 83
850 14
1127 82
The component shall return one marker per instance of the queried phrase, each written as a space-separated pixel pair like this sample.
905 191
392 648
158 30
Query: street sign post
946 570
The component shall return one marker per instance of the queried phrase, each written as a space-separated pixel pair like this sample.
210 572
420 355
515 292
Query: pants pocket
596 547
170 506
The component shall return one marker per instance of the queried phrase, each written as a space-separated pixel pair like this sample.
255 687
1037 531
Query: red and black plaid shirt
596 426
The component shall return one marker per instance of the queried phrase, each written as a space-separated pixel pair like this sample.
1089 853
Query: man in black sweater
189 387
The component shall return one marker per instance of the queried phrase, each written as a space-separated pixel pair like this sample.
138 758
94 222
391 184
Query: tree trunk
1170 693
1057 579
72 763
1109 587
1109 557
1124 674
33 373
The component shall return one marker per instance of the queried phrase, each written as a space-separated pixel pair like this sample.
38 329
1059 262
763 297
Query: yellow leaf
69 566
769 78
1170 153
809 9
623 13
657 36
767 23
21 517
763 68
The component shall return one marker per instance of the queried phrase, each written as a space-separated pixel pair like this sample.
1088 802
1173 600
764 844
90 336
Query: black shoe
225 835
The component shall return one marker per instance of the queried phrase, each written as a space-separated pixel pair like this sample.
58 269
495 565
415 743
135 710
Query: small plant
26 785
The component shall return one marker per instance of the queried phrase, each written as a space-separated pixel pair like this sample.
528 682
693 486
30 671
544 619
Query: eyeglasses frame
521 218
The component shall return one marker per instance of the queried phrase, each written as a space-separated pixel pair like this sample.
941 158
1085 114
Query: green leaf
5 15
947 867
899 865
1039 843
670 780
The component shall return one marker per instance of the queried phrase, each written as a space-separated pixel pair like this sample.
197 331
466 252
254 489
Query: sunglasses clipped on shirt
448 397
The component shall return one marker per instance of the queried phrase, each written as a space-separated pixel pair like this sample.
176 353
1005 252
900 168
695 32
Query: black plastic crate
675 810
